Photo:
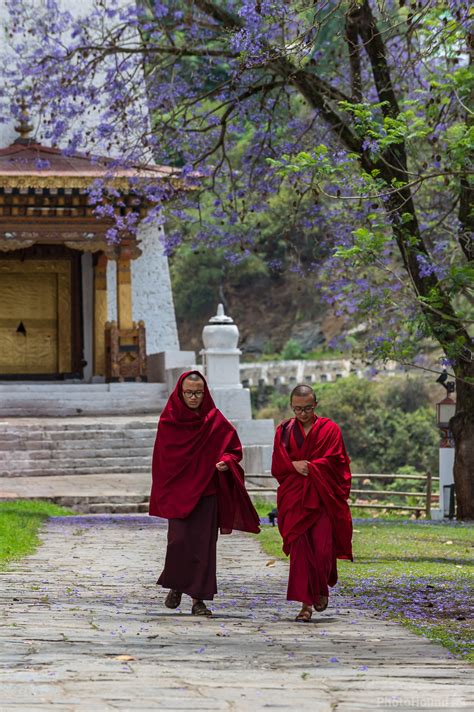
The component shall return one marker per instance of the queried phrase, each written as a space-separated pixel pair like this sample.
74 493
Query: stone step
75 462
265 480
64 399
39 440
76 443
108 508
54 394
87 409
74 455
113 432
74 424
124 504
58 471
45 389
75 500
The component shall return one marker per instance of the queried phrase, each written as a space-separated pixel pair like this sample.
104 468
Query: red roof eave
21 160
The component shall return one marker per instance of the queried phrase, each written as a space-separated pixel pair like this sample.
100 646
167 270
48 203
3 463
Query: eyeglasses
305 409
193 394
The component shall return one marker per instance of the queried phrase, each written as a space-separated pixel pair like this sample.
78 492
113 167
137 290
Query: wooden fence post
429 485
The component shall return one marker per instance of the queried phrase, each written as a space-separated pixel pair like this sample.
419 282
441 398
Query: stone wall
290 373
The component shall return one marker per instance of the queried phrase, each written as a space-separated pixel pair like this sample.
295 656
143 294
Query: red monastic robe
313 514
188 445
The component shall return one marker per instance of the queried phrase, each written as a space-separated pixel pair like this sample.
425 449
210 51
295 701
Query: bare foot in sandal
321 604
200 609
173 599
304 616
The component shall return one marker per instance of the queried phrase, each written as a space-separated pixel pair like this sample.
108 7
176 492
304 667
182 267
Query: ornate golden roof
27 164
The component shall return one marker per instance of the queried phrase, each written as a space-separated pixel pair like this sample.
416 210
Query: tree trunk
444 323
462 427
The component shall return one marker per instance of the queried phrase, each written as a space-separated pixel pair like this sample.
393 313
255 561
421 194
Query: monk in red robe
311 465
198 485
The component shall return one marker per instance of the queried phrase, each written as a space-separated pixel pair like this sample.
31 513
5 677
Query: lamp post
445 410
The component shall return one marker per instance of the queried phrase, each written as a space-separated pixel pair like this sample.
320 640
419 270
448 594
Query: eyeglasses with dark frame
193 394
303 409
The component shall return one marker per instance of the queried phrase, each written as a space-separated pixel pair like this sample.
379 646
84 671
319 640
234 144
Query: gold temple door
35 317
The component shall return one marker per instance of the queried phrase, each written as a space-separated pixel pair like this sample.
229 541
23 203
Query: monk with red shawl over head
311 465
198 485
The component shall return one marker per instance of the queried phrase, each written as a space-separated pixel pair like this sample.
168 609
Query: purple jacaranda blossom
230 108
427 268
42 164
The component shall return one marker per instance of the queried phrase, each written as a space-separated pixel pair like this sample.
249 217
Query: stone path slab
83 627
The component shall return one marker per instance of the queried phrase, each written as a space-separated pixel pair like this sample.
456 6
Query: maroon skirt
190 564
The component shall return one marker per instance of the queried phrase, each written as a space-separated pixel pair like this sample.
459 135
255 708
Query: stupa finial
24 127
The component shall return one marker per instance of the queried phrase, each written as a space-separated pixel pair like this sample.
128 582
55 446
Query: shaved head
303 391
194 377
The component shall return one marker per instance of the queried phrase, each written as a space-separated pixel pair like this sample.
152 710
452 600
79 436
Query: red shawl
327 484
188 445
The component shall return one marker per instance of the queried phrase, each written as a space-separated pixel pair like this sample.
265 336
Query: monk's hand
221 466
301 466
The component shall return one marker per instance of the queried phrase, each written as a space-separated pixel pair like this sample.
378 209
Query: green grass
20 521
263 507
417 574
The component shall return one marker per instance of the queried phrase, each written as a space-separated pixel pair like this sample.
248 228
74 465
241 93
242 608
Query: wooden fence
364 497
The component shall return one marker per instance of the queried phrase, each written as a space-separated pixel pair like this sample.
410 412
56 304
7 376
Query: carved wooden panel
125 353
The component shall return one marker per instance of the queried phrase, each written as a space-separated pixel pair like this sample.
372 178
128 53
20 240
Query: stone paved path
83 627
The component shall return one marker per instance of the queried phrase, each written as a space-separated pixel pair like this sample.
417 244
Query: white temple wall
152 297
7 129
112 290
7 134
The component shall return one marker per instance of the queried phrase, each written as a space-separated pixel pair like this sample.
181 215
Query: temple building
72 304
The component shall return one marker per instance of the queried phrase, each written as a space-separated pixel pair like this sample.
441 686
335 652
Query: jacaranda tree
355 112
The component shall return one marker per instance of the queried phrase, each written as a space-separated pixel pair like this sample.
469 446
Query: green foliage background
388 426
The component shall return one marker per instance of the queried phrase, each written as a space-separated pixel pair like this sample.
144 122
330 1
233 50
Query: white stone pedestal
446 477
221 365
233 402
163 361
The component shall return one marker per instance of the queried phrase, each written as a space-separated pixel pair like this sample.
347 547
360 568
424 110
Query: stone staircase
76 446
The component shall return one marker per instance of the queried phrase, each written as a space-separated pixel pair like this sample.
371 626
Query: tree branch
364 20
466 191
352 40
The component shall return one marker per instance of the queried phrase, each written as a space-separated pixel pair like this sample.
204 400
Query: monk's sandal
304 616
322 604
173 599
200 609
